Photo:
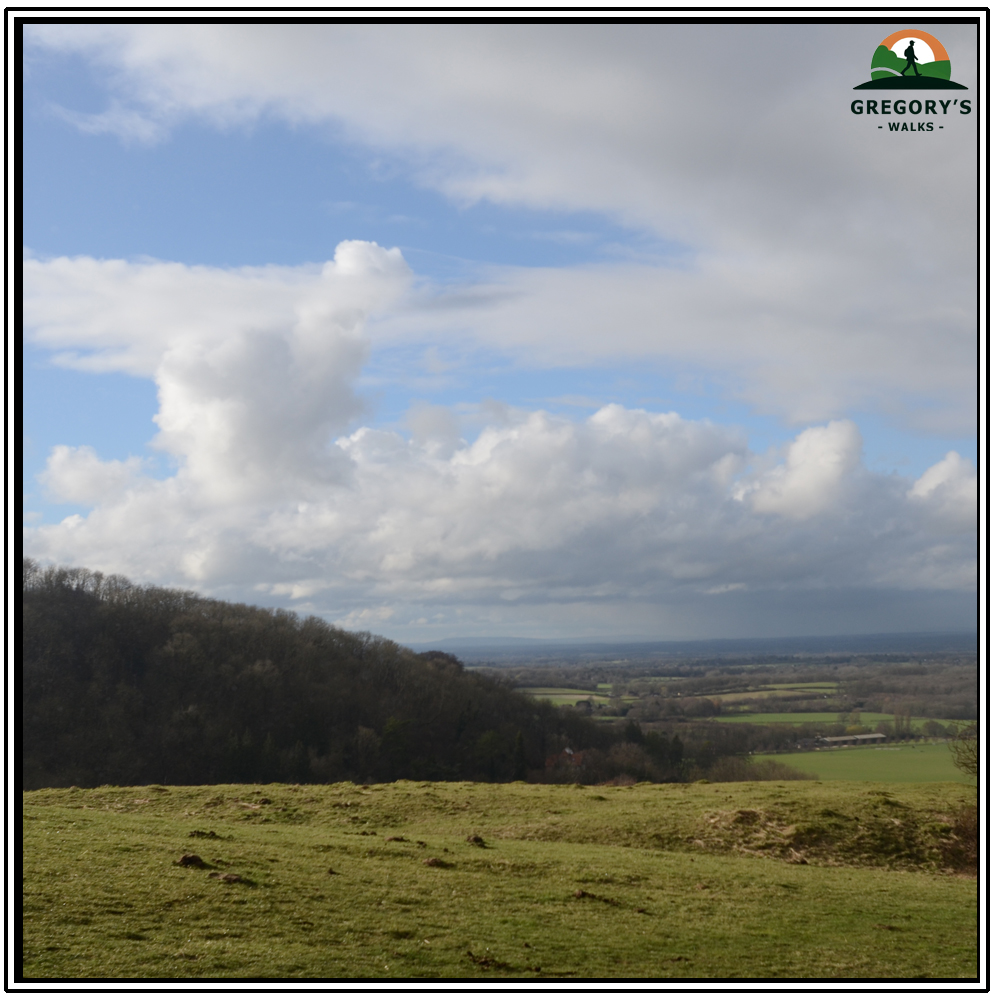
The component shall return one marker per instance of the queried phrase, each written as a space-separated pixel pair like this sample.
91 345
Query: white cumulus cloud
255 367
275 495
812 477
627 509
949 491
78 475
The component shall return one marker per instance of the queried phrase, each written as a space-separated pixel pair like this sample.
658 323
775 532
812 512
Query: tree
489 753
520 761
965 750
633 732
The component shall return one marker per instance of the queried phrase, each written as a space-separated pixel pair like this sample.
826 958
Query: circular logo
911 53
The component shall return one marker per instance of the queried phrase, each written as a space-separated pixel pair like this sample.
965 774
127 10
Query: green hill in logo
886 65
910 60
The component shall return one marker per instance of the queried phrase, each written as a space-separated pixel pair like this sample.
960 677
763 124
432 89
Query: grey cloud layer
778 333
830 267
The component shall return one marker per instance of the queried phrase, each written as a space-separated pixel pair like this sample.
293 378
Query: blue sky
535 266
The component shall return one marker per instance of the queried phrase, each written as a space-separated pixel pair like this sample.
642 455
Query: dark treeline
946 687
127 684
682 750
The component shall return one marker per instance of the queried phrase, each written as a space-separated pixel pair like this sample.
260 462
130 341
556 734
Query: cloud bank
281 491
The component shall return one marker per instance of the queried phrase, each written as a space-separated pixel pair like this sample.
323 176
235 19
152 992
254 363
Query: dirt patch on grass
583 894
230 877
884 833
487 961
192 861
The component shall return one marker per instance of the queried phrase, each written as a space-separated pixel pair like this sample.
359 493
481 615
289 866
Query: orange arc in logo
936 47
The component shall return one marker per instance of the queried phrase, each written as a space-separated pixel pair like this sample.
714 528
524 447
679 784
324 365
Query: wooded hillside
128 685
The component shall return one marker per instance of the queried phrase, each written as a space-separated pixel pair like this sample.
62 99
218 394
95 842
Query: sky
556 331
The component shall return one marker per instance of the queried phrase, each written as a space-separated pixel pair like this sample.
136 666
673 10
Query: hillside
461 881
124 684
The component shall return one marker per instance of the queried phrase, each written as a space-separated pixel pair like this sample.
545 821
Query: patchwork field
797 880
893 762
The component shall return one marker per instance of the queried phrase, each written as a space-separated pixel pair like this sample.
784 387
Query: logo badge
910 60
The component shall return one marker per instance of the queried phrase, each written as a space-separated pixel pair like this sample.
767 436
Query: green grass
652 881
893 762
811 691
750 696
570 696
658 679
559 696
546 691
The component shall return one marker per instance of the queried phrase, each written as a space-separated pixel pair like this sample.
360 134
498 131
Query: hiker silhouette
911 59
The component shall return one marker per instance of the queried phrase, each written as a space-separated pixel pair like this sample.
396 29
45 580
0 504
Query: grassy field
752 696
796 880
658 679
570 696
895 762
562 696
809 686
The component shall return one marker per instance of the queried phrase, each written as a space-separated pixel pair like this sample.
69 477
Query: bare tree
965 750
